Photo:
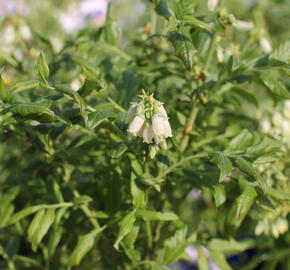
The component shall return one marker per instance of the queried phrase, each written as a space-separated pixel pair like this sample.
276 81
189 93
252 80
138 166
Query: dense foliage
78 193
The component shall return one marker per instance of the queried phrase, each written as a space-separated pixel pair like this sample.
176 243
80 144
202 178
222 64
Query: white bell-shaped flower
148 133
211 4
148 119
136 125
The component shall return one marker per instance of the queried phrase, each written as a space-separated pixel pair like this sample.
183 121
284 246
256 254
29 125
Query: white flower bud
148 134
265 45
211 4
136 125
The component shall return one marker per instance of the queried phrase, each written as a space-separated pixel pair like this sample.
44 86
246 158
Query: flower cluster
148 119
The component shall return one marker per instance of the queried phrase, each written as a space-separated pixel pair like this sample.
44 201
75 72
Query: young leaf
149 215
42 68
275 86
84 245
126 225
224 164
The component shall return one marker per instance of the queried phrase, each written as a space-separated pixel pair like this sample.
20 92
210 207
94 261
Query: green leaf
84 245
184 48
247 96
149 215
184 8
3 90
246 167
96 118
266 145
24 213
275 86
42 68
175 246
191 21
202 260
21 86
54 239
282 53
224 164
230 246
36 234
242 140
220 259
242 206
84 199
138 193
119 149
126 226
162 8
25 109
219 194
